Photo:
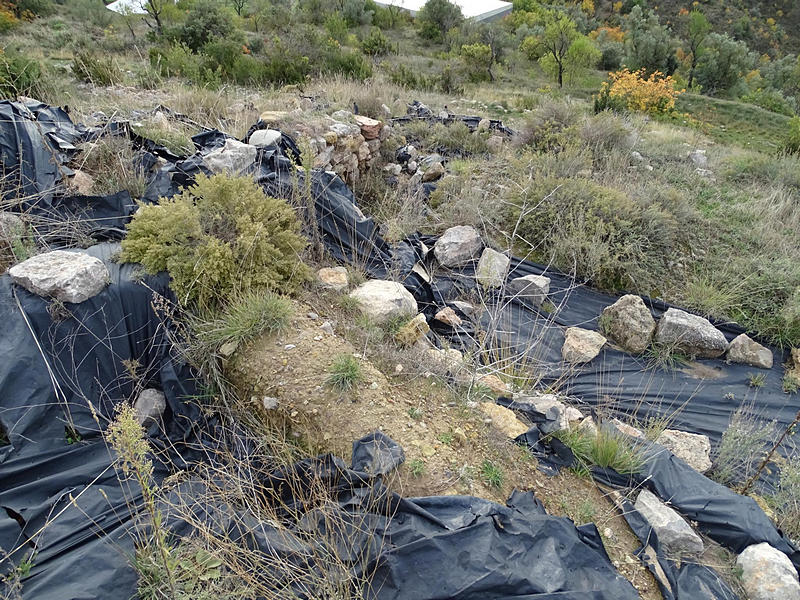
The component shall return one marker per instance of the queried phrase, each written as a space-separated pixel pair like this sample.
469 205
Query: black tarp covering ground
64 369
458 547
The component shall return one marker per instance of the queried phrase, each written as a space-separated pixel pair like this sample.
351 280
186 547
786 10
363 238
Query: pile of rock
629 324
350 145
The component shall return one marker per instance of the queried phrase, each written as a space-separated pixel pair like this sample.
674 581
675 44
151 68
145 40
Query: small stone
374 385
484 125
335 278
627 429
66 276
573 414
289 347
411 167
692 448
492 268
265 137
547 405
449 317
465 307
494 383
393 169
81 183
768 574
398 368
269 403
412 331
699 158
448 361
458 246
427 450
581 345
459 437
227 349
233 158
503 419
636 158
532 288
675 535
384 300
588 427
327 328
149 406
746 351
434 172
370 128
312 315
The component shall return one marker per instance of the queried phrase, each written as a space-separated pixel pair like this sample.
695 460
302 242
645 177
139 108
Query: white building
479 10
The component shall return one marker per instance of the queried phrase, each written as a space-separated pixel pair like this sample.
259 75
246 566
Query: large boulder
458 246
629 324
747 351
233 157
530 288
66 276
384 301
675 535
449 361
433 172
492 268
692 448
768 574
581 345
690 334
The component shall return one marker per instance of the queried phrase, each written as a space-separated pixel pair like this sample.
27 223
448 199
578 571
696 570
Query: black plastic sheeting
63 372
685 581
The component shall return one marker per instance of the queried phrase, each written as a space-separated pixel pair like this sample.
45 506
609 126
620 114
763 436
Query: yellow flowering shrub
632 90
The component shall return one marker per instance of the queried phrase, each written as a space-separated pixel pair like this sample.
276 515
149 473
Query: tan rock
692 448
274 116
370 128
449 317
412 331
749 352
503 419
494 383
448 361
628 322
335 278
581 345
81 183
434 172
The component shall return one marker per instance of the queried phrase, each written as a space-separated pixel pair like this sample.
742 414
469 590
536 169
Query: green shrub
345 373
220 237
791 144
19 76
771 99
205 22
376 44
600 232
492 474
88 67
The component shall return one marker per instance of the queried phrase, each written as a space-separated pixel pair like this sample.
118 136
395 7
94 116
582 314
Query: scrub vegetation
656 151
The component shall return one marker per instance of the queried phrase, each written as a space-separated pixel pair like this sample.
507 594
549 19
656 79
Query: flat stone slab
747 351
66 276
581 345
675 535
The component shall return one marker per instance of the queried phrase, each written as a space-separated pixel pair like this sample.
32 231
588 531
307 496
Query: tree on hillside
723 63
154 9
438 17
697 32
648 44
238 6
559 47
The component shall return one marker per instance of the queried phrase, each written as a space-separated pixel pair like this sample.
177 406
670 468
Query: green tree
206 21
155 11
648 44
559 47
723 62
697 32
438 17
478 60
239 6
